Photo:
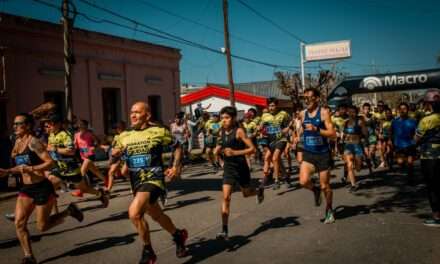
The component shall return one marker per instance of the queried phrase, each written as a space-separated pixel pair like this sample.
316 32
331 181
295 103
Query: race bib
314 141
54 155
84 150
139 161
273 129
22 160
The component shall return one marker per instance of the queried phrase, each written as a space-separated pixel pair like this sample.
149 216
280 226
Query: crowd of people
60 155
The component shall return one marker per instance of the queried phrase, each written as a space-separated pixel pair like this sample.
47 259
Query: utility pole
68 54
303 81
228 53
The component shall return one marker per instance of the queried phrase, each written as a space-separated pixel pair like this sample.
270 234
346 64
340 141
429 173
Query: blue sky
392 35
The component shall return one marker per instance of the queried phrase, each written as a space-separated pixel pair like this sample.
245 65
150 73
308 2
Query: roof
216 91
261 88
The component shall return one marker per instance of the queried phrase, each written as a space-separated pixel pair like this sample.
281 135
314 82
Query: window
154 101
3 116
111 106
56 97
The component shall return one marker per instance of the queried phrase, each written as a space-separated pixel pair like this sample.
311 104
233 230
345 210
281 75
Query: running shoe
317 195
276 186
148 257
222 236
75 212
329 217
260 195
77 193
104 198
180 239
344 180
10 217
432 222
353 188
29 260
164 198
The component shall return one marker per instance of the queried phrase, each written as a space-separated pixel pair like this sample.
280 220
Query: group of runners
316 135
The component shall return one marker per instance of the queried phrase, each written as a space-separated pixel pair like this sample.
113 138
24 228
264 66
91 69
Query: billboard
328 50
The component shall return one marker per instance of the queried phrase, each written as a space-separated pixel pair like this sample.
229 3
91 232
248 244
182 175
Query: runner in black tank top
234 145
31 160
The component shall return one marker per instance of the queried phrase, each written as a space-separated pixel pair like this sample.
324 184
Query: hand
50 147
3 172
311 127
228 152
172 173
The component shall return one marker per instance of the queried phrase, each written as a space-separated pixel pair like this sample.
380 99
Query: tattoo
36 146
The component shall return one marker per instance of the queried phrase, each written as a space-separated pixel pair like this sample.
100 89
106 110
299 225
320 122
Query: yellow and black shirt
429 131
273 125
143 154
66 165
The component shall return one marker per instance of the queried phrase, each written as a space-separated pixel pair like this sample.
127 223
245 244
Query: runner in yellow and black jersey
61 148
142 147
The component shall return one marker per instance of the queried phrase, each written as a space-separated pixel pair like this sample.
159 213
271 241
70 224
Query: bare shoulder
36 145
325 112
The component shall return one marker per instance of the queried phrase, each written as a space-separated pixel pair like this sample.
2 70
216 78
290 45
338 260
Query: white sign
328 50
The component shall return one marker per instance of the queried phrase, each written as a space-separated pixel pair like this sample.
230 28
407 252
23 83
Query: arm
329 131
36 146
250 147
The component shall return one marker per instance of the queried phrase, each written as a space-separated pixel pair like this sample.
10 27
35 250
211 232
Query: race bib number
22 160
273 130
139 161
84 150
314 141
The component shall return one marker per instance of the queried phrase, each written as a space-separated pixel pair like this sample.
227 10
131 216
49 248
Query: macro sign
328 50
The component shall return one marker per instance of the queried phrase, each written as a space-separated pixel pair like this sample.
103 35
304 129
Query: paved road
381 223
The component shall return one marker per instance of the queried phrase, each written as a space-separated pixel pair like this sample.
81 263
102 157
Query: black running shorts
321 161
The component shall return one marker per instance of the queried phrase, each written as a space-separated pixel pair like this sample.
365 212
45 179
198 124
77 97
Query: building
110 73
217 97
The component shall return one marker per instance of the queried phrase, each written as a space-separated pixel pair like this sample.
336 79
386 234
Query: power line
173 37
214 29
271 21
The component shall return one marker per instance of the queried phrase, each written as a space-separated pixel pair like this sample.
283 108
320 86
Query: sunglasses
18 123
308 98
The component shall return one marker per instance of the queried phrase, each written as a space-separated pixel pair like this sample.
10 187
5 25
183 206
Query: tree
324 81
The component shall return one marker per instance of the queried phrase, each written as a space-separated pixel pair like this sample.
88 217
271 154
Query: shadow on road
96 245
180 204
35 238
203 249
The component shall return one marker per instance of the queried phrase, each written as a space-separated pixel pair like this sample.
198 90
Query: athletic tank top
27 157
313 141
230 141
353 129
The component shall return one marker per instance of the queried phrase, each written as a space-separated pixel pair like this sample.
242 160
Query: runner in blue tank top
403 130
317 128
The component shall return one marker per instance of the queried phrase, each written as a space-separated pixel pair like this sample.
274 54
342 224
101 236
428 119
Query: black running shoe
344 180
317 194
104 198
10 217
148 257
75 212
29 260
180 239
353 188
260 195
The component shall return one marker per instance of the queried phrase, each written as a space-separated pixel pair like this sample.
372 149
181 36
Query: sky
386 36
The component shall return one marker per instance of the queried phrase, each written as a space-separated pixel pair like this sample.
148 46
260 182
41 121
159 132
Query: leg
276 159
23 210
324 179
349 163
226 204
162 219
95 170
85 188
136 214
306 170
45 221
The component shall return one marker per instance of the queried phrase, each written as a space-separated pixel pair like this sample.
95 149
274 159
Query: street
381 223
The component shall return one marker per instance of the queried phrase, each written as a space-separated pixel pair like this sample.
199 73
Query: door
111 104
154 101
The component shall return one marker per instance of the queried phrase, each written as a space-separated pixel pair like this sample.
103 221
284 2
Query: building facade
110 73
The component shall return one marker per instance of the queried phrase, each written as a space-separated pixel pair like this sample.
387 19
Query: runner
428 138
85 141
212 128
181 133
142 147
114 169
318 127
31 160
385 144
338 120
353 131
235 145
370 141
275 125
403 130
250 128
61 149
